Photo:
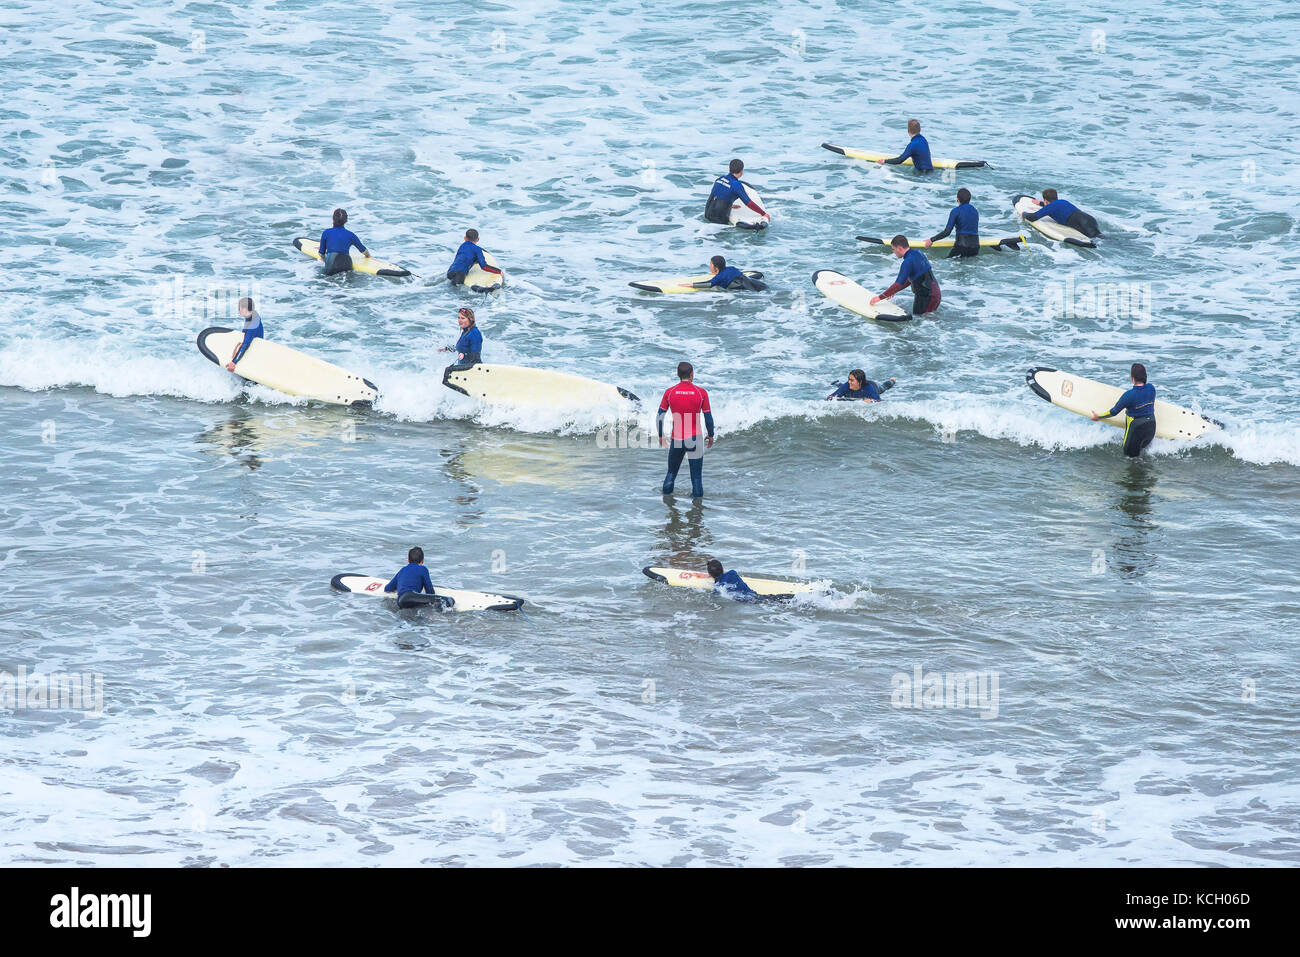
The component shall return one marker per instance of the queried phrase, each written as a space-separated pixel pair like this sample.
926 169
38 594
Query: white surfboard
877 157
688 284
744 217
1085 396
518 385
1050 227
767 587
288 370
480 280
1010 242
373 266
840 288
460 600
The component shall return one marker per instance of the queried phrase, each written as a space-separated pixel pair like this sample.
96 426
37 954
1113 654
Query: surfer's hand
708 443
1096 417
874 300
928 242
230 367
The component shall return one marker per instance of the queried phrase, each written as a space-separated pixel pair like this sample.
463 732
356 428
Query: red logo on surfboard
373 586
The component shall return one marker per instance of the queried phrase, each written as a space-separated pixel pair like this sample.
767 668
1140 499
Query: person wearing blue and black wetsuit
336 242
1139 405
860 388
918 150
964 218
252 330
467 255
915 271
723 276
726 190
730 583
469 347
1067 214
412 579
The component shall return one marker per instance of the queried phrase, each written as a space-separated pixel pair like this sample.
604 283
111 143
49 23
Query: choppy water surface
1134 626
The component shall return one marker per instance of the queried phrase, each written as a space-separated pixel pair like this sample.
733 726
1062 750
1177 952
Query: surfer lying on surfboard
965 218
469 347
726 190
413 577
252 330
1067 214
467 255
916 272
729 277
1139 403
336 242
859 387
918 150
730 584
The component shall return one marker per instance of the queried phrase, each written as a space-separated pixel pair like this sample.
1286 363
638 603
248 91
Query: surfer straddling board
469 347
1139 403
916 272
918 150
469 254
726 191
686 402
729 584
336 242
964 218
252 330
1067 214
860 388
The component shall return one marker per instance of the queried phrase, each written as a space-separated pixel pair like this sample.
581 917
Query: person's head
471 235
736 167
913 127
900 245
246 307
415 556
340 217
1138 374
465 317
714 568
963 195
857 379
1049 195
717 264
685 371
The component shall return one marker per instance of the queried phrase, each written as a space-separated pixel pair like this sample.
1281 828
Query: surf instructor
469 347
726 190
252 330
1139 403
916 272
918 150
335 243
687 402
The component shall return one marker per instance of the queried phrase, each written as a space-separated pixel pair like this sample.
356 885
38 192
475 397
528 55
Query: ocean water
1132 627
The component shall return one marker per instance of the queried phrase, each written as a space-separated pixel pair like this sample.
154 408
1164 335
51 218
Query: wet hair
471 235
714 568
859 375
467 313
963 195
913 127
736 167
685 370
416 555
719 261
1139 373
247 303
900 240
1049 195
340 217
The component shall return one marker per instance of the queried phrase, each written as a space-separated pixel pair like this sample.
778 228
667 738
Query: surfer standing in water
916 272
336 242
726 190
687 402
469 347
965 218
1139 402
918 150
469 254
252 330
1067 214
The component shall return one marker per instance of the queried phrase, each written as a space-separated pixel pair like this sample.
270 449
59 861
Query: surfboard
454 599
682 285
1084 396
287 370
772 588
518 385
877 157
1050 227
743 217
480 280
371 266
853 297
1011 242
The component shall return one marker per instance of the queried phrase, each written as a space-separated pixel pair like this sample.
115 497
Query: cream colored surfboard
1085 396
1011 242
685 578
744 217
461 600
287 370
687 284
853 297
371 266
518 385
1050 227
877 157
479 280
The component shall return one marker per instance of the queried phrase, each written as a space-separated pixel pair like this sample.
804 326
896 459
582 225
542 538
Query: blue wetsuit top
252 330
918 151
731 189
965 218
467 255
339 239
411 578
913 267
842 391
726 276
733 586
470 343
1140 401
1058 210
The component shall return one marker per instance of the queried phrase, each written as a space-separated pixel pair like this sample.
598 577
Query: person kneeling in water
336 242
860 387
413 578
467 255
1140 404
1067 214
729 277
916 272
966 219
252 330
731 584
469 347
